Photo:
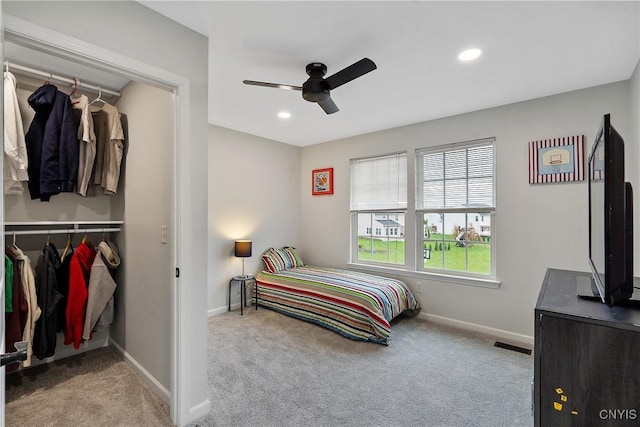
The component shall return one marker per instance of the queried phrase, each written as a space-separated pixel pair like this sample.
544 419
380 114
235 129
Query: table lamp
243 250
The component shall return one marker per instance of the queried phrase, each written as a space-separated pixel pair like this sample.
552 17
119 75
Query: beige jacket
99 314
33 313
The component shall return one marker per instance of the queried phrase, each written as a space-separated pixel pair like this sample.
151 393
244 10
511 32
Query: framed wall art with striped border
556 160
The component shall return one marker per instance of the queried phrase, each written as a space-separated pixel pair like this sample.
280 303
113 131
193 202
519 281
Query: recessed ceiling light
284 115
469 54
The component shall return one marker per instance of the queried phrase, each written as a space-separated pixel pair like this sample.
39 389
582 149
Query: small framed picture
322 181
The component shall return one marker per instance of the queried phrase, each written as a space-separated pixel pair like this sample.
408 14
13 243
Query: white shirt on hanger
15 148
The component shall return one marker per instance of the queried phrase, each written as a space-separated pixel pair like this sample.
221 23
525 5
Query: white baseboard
522 340
225 309
513 338
199 410
220 310
150 379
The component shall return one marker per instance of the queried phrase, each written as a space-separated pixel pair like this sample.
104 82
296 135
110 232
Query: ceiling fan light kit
318 89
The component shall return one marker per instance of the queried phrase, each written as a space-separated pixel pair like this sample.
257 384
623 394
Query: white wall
131 30
254 193
537 226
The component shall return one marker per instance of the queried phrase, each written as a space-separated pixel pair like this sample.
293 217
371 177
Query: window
455 208
378 202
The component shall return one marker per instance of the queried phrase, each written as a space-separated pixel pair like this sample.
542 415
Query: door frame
33 35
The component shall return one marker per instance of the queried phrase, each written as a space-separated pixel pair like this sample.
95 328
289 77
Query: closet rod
8 65
69 231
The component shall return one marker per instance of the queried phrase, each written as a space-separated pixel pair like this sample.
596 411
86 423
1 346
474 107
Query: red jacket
79 270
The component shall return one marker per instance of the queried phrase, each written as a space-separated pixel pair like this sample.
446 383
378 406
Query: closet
138 218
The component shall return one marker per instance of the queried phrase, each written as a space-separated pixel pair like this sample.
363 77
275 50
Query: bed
357 305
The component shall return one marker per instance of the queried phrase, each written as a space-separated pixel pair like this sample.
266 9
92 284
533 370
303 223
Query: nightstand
243 280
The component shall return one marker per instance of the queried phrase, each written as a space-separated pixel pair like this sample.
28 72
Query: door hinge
177 272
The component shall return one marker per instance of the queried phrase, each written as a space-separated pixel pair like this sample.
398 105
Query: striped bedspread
357 305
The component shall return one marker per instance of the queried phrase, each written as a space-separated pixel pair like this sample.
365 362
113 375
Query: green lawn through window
444 254
381 250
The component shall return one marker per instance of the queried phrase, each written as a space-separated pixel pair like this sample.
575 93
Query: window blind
379 182
457 177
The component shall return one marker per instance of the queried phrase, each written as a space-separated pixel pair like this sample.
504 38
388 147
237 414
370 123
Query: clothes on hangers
39 309
103 138
87 139
54 157
52 144
8 285
27 278
59 153
100 307
16 320
63 285
111 151
114 152
44 338
79 272
15 149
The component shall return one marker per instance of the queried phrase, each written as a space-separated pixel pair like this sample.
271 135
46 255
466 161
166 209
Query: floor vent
512 347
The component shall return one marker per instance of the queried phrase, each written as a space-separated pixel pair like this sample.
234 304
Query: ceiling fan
317 88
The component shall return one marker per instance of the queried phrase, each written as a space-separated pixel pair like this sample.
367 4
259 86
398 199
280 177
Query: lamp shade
243 248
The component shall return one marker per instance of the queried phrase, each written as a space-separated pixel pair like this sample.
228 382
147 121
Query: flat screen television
610 218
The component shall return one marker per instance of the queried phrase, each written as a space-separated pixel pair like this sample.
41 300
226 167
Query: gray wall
254 193
144 296
131 30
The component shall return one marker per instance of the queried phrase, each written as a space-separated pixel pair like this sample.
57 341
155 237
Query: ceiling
530 50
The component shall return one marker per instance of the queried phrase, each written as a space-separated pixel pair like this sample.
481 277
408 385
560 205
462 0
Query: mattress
357 305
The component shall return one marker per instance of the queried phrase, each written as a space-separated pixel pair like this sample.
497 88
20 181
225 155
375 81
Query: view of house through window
381 237
454 212
450 245
455 205
378 206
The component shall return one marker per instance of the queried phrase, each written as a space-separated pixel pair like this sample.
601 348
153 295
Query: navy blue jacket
52 144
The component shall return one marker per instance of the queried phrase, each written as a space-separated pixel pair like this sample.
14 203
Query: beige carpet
96 388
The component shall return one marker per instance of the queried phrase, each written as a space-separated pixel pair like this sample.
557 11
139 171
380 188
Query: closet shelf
17 228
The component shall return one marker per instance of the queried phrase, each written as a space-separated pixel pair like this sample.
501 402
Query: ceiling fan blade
275 85
329 106
353 71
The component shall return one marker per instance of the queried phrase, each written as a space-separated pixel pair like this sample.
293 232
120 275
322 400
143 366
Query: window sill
422 275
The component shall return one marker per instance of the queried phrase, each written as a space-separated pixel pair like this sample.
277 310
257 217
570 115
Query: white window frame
398 207
420 210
